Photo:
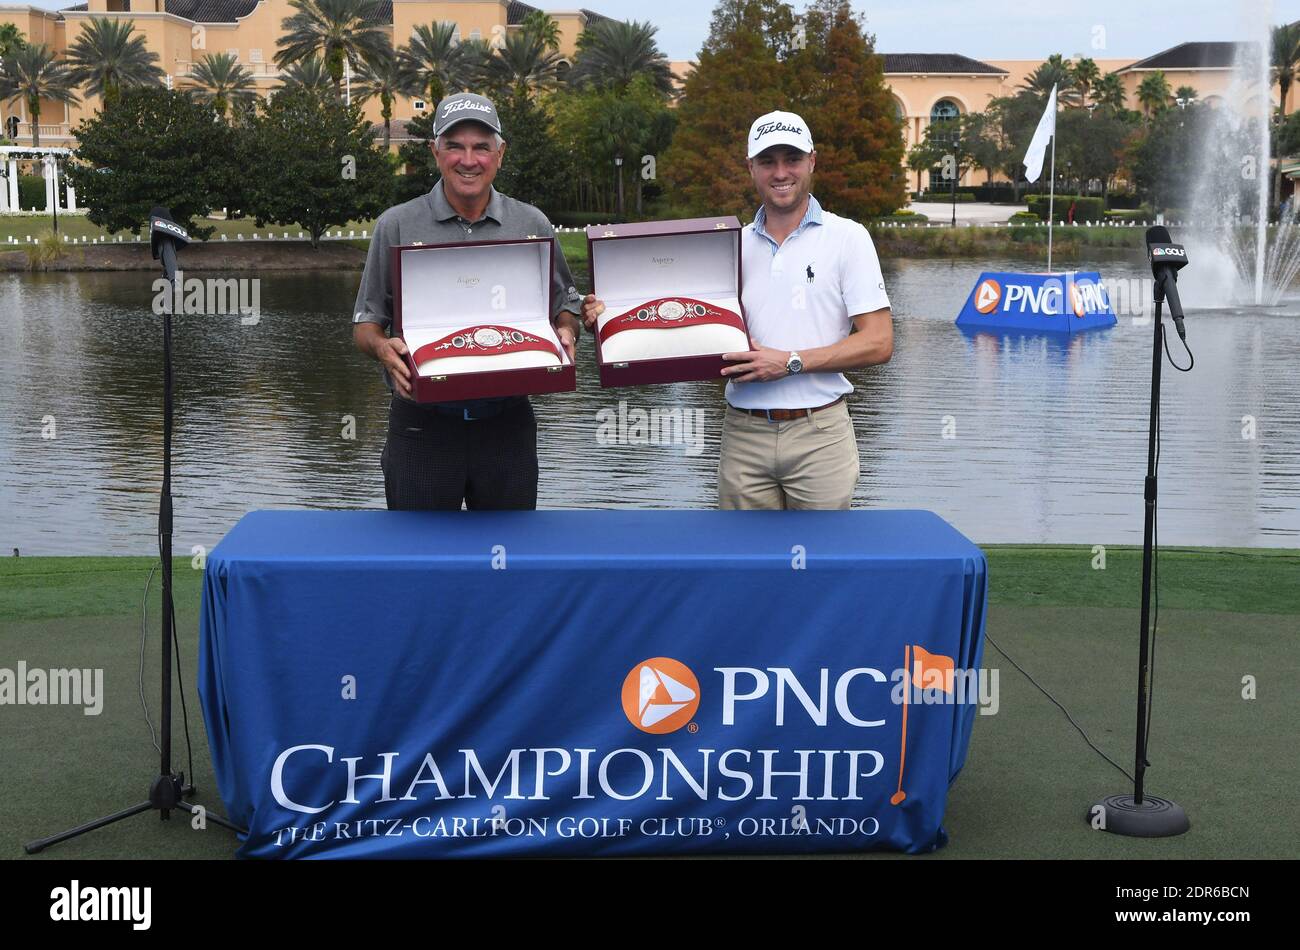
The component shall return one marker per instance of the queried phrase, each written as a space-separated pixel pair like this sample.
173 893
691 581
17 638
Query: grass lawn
1225 614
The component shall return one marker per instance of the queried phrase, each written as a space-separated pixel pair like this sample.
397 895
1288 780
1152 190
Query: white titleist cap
779 128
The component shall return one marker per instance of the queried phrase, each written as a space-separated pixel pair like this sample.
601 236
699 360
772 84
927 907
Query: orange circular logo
987 295
660 695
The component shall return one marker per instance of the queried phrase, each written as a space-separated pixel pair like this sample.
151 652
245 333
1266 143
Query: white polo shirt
802 295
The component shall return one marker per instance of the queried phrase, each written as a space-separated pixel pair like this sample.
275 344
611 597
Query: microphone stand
169 789
1140 815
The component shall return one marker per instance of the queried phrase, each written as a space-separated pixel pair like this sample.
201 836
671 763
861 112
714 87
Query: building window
476 34
943 113
254 55
944 109
419 105
233 53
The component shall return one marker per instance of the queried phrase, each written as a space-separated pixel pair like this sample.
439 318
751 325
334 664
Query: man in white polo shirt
816 305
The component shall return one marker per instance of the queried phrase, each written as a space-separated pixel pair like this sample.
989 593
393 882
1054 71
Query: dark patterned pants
434 461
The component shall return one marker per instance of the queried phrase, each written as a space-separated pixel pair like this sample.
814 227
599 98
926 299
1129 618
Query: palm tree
384 78
1153 93
524 63
1186 93
1086 75
1285 57
540 23
335 30
106 59
613 52
11 39
222 80
308 74
31 74
1109 91
1055 72
438 61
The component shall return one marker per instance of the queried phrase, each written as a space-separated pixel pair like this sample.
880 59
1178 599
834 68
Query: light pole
618 163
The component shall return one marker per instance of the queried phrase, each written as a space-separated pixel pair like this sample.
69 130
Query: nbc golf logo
660 695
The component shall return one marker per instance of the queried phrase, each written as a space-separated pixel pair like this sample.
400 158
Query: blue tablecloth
387 684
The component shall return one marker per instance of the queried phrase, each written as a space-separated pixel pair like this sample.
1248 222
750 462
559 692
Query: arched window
944 109
943 113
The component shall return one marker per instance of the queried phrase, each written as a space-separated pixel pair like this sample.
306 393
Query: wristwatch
794 364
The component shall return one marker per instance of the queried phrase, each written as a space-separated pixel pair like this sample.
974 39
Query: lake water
1012 439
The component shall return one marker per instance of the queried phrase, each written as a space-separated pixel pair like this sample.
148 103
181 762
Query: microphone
1166 259
166 237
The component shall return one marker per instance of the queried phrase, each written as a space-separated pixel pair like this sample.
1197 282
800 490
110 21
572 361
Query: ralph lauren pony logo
811 275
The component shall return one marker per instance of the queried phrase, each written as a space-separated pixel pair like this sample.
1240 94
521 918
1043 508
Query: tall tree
335 30
1110 92
613 52
30 74
1086 76
523 64
837 84
307 73
384 78
440 63
1153 93
540 23
221 80
155 146
11 39
106 59
738 77
1186 93
529 171
1054 72
1285 58
319 164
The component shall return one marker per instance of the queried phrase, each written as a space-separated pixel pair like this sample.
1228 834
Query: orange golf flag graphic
926 670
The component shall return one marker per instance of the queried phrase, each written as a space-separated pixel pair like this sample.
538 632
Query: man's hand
591 309
389 351
567 329
757 366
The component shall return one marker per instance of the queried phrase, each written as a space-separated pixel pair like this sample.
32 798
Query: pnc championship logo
660 695
988 295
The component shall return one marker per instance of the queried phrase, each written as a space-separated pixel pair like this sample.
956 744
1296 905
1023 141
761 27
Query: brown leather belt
786 415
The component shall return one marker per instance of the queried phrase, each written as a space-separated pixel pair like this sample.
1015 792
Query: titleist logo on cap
465 104
767 127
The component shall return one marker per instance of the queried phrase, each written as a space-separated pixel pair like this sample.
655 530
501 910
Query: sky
984 29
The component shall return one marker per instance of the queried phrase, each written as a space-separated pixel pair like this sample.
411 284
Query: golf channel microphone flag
1166 259
166 237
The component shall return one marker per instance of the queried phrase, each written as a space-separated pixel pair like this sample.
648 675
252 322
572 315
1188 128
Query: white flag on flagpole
1042 135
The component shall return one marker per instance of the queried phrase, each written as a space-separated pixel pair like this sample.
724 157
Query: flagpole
1051 203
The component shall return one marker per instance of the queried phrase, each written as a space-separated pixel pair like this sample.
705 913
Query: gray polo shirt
430 219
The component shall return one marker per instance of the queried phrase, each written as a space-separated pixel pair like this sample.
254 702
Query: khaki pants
806 463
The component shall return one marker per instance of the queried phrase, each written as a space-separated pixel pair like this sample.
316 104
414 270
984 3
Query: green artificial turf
1226 616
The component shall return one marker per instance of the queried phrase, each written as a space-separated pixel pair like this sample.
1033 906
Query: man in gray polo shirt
481 453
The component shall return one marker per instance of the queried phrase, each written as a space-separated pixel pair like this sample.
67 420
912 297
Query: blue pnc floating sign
1055 303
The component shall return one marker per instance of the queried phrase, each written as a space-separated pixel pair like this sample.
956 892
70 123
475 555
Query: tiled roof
516 12
936 63
1221 55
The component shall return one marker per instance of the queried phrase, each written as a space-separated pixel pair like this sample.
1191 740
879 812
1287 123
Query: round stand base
1154 818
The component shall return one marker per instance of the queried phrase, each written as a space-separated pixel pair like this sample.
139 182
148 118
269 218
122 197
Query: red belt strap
484 341
670 312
